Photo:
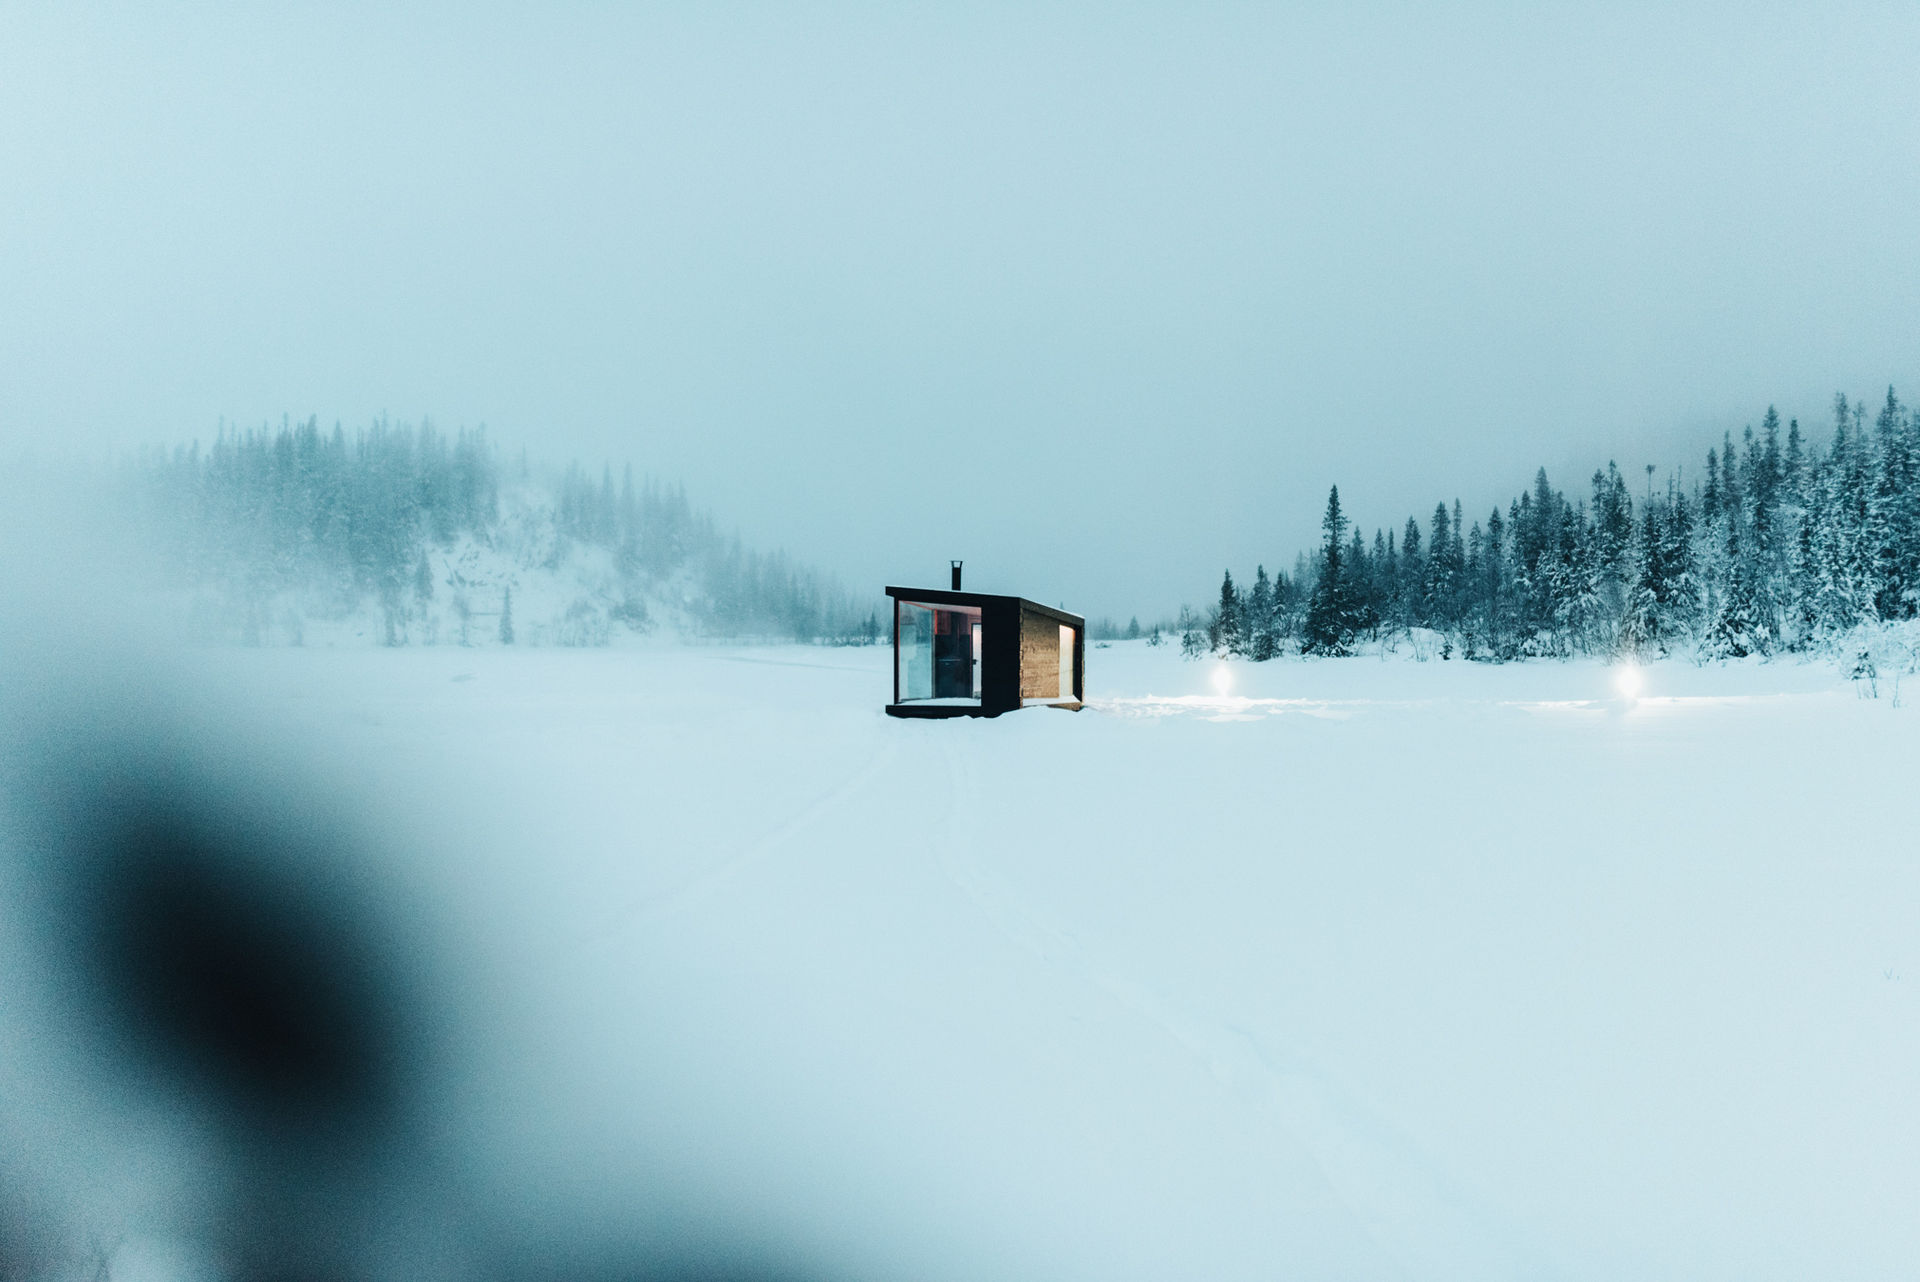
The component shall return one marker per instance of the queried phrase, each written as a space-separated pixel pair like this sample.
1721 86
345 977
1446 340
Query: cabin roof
945 596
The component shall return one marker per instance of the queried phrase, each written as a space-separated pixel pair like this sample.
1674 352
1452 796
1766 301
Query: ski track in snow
702 887
1397 1197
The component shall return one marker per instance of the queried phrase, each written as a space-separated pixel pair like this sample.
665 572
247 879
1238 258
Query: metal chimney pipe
956 576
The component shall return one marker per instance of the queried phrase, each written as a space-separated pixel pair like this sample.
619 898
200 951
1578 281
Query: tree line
1780 546
346 519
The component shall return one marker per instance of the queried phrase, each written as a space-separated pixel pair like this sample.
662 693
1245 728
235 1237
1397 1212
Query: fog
1098 301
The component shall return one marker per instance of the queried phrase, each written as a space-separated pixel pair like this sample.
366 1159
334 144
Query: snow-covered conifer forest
400 534
1778 544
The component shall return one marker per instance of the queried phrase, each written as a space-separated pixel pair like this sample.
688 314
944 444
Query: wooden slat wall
1039 656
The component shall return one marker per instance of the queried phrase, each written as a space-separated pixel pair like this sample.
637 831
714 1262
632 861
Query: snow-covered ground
1364 968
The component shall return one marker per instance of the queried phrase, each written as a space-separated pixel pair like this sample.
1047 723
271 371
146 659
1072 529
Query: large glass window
938 652
914 651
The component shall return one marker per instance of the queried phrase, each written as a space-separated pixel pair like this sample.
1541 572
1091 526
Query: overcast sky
1101 301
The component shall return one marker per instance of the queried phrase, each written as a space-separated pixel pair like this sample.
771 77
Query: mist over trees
1776 546
424 528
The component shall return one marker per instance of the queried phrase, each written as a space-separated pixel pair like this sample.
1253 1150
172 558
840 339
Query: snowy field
1362 969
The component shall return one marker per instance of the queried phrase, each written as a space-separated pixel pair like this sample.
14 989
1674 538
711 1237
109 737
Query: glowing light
1223 678
1628 682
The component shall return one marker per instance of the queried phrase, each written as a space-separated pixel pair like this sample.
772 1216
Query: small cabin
972 654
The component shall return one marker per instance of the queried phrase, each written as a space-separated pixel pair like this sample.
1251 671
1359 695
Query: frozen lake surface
1363 968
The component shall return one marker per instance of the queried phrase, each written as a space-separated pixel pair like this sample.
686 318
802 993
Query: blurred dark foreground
234 1042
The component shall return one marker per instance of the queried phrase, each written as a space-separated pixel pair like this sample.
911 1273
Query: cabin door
1066 662
976 658
953 651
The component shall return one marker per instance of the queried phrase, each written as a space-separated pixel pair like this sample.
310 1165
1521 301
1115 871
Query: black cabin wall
1000 656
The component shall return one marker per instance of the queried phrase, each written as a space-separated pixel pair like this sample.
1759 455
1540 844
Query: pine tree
1535 536
1261 643
1613 524
1192 643
1680 582
1639 632
1642 629
1331 612
1360 584
1226 633
1287 604
1383 565
1473 606
1413 572
1580 615
1771 466
1495 590
1459 554
1741 625
1442 572
1710 494
1893 517
1732 484
1830 602
1803 600
506 618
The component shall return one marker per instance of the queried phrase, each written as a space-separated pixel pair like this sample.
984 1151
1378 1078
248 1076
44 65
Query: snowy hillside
399 535
1352 968
544 588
